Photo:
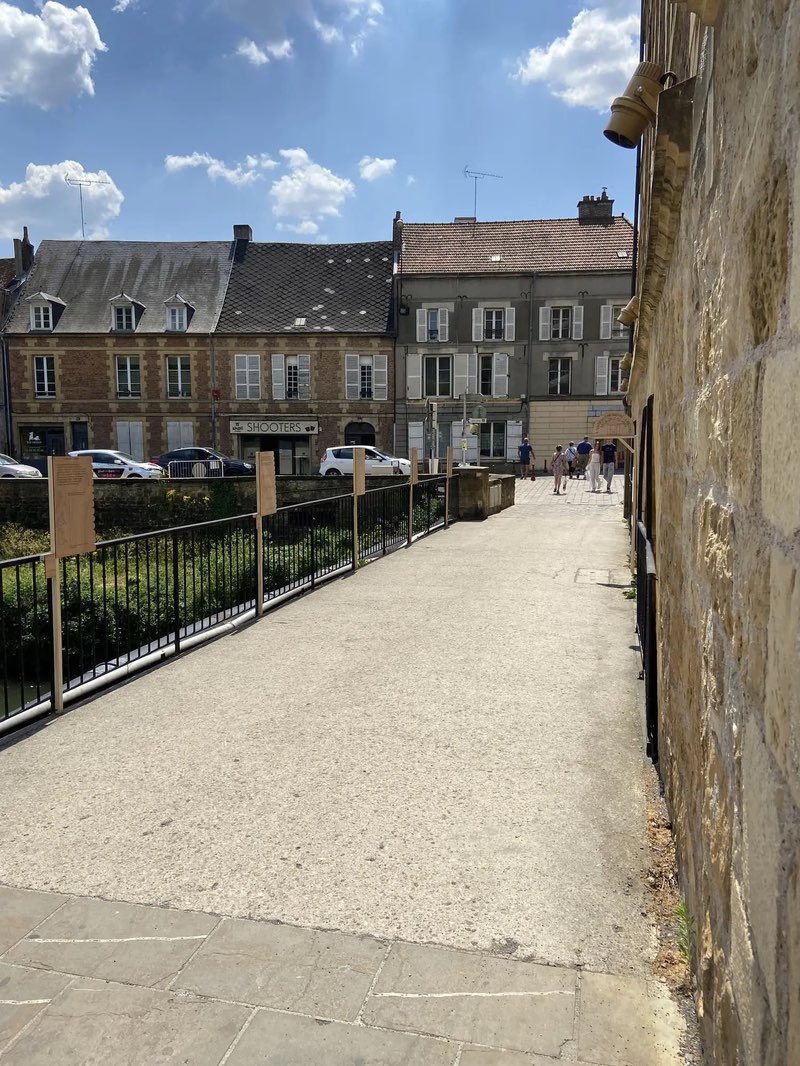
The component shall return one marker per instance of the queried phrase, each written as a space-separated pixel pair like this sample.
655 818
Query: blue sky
309 119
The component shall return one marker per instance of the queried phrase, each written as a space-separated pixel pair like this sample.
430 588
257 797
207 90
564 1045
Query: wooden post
448 474
266 504
412 481
359 488
71 503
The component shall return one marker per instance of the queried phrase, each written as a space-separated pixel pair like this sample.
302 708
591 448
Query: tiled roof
543 246
7 271
309 288
86 275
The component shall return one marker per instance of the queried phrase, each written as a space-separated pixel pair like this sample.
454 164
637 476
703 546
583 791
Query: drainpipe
529 387
213 373
6 392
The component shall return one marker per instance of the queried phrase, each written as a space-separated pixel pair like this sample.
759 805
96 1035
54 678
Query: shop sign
274 426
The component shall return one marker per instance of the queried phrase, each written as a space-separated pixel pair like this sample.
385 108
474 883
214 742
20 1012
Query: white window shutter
414 377
460 374
422 325
577 323
124 437
601 375
254 377
544 323
278 378
173 436
605 322
444 324
416 438
510 323
513 439
187 434
477 325
472 380
304 377
380 377
136 440
351 376
500 375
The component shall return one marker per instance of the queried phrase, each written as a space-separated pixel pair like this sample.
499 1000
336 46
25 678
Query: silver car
11 468
110 465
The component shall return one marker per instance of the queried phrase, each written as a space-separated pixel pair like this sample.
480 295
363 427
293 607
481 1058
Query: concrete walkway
443 749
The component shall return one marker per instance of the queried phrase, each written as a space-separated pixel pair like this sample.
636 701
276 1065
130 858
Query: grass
684 922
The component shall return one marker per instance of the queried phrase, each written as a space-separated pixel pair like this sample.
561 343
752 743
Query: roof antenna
80 182
475 174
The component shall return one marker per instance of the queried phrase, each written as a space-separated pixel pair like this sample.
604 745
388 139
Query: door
80 436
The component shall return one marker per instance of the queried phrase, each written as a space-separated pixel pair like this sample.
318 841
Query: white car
11 468
340 461
109 465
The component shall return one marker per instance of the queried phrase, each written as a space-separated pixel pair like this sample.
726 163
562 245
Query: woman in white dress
593 467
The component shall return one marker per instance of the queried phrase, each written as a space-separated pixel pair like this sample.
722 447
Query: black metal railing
135 597
26 653
646 630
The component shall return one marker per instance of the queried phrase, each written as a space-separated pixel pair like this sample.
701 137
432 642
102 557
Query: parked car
340 461
11 468
107 464
203 462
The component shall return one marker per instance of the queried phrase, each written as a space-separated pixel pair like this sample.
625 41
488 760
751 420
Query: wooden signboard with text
359 472
266 490
414 466
71 495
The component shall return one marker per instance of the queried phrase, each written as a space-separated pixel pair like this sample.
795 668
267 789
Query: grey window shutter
187 434
304 377
414 377
173 436
351 376
510 323
380 377
605 322
477 324
601 375
124 437
460 374
444 324
422 325
136 443
544 323
278 378
254 377
513 439
472 380
416 438
577 323
500 375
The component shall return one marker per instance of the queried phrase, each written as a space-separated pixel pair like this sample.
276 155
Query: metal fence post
52 569
313 554
411 483
176 593
259 565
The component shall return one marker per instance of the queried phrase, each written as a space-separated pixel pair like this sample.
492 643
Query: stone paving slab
490 1057
474 998
99 1024
627 1019
22 910
115 941
282 1039
24 994
304 970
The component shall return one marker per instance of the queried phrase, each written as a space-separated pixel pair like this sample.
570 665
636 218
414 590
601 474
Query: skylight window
622 255
497 258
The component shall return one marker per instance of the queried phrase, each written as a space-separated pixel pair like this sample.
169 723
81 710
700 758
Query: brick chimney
23 253
243 233
600 209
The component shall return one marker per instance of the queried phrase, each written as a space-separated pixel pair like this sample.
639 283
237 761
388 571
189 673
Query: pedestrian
609 451
525 456
593 467
571 455
584 450
559 466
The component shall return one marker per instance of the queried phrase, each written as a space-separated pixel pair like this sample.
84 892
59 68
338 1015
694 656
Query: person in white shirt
571 455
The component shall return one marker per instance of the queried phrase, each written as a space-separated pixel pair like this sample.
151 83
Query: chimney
242 233
600 209
23 254
465 218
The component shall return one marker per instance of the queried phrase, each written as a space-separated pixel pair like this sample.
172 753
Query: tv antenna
79 183
475 175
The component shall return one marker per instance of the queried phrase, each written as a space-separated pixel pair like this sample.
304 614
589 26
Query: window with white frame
560 323
365 377
179 379
124 320
619 331
486 371
493 323
433 325
44 376
438 375
291 377
176 318
559 377
493 440
247 371
129 377
41 316
614 373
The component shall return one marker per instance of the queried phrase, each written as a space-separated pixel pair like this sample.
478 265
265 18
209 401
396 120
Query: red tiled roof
543 246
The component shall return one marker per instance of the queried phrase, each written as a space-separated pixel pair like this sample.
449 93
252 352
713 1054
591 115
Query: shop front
289 439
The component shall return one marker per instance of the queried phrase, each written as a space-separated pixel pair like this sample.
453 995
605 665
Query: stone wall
720 354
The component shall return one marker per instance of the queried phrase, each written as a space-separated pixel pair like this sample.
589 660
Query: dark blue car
203 462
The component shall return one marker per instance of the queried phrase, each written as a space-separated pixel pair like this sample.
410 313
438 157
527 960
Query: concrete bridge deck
400 820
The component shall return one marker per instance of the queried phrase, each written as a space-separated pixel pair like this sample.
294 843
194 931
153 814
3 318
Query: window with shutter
416 438
500 375
304 377
422 325
513 439
614 373
351 376
380 377
559 377
493 321
278 378
605 322
544 323
247 369
438 375
560 323
577 323
486 375
365 377
601 375
444 324
511 318
619 331
414 377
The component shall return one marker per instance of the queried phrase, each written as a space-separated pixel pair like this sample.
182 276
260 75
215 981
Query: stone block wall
723 365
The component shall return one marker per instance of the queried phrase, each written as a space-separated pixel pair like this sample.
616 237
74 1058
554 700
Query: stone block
21 911
24 994
628 1020
782 704
780 405
751 580
744 399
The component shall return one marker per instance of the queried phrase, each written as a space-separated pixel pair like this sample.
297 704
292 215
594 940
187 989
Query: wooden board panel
71 494
359 472
266 490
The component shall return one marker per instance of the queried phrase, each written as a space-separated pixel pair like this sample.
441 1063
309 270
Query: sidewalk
415 797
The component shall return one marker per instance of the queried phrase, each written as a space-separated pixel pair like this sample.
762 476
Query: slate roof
86 275
542 246
336 288
7 271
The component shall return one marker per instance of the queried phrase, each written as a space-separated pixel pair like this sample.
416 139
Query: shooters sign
277 426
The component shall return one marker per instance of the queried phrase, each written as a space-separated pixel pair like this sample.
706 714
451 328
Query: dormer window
125 313
123 318
41 316
178 314
45 311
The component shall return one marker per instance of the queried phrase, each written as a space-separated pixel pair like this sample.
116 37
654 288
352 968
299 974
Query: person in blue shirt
525 455
609 451
584 450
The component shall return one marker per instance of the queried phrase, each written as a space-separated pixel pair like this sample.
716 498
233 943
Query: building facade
508 329
714 392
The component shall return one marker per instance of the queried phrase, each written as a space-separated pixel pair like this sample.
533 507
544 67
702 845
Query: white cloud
47 58
334 21
250 51
373 168
241 174
308 227
123 5
308 192
327 34
280 49
591 65
45 203
411 180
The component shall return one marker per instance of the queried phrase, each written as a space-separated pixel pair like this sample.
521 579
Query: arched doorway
359 434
